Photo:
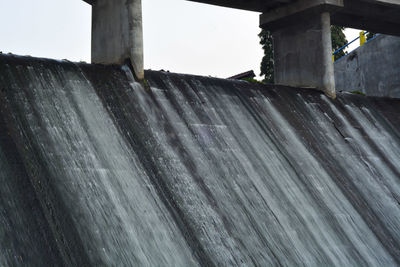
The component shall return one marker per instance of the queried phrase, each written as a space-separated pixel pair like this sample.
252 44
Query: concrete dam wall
25 234
191 171
373 68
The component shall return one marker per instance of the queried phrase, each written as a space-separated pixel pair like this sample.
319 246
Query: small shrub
358 93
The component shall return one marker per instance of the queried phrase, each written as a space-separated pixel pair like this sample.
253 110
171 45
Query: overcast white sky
179 36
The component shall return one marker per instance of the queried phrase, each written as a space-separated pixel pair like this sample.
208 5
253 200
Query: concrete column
117 33
303 54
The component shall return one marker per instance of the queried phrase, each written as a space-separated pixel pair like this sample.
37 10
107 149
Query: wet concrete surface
201 171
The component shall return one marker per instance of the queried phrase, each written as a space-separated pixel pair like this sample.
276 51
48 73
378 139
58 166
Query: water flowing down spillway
193 171
25 236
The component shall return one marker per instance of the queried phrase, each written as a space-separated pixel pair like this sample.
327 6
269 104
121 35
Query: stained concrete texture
302 54
373 68
197 171
117 33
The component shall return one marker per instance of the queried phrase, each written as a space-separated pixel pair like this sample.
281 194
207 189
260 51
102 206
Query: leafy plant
358 93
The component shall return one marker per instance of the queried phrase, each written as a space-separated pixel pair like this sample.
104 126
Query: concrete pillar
303 54
117 33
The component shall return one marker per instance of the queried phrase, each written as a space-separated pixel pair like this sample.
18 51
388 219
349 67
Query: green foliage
267 63
338 40
370 35
145 84
251 80
358 93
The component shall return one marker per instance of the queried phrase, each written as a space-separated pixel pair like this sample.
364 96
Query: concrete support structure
301 32
302 43
117 33
303 56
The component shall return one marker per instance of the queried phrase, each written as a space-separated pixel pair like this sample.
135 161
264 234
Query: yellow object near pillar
362 38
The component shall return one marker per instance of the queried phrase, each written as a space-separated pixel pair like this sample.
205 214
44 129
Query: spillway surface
25 235
195 171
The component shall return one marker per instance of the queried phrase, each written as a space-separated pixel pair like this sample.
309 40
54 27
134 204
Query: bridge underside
251 5
374 16
90 2
381 16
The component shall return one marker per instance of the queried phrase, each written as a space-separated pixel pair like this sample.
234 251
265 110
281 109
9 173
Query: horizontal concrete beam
290 14
391 2
381 16
265 5
90 2
251 5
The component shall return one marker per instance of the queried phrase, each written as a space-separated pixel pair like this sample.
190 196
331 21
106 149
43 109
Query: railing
362 39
